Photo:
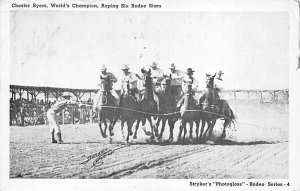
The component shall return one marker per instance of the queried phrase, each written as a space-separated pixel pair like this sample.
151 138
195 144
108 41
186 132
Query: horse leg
101 131
208 127
122 128
100 126
224 128
158 121
212 127
197 129
163 124
191 130
180 130
111 127
128 130
152 128
202 129
136 128
184 130
171 125
105 124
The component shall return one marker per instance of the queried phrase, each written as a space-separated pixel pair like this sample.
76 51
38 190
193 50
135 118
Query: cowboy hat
103 67
172 66
125 67
66 94
189 70
154 64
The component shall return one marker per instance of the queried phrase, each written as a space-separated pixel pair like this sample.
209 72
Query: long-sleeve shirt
176 76
186 81
132 78
157 74
62 104
113 78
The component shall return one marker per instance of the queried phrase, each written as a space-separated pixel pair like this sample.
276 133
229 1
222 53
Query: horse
147 104
189 103
167 104
105 107
129 101
214 108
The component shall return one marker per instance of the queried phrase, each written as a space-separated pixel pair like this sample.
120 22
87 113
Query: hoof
170 140
156 134
134 137
210 142
223 136
130 133
104 135
111 134
148 133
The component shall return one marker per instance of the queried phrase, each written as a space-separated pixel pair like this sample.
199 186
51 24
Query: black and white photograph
140 90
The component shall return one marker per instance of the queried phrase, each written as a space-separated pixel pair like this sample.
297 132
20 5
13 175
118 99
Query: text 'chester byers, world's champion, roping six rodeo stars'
86 6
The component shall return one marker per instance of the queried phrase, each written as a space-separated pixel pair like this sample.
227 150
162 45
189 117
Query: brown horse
214 108
146 105
167 104
189 103
128 100
108 112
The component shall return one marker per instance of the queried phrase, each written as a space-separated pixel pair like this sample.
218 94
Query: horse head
210 81
106 84
148 80
166 82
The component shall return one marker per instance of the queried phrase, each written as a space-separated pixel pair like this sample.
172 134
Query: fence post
72 115
91 116
63 116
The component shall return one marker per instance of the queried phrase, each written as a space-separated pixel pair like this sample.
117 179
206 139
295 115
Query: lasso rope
148 113
163 114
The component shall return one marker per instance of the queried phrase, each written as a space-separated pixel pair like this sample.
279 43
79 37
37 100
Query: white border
145 184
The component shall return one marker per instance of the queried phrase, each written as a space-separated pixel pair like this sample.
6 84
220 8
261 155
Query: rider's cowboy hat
103 67
66 94
154 64
125 67
189 70
172 66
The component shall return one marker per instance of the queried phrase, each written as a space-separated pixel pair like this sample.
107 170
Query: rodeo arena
160 124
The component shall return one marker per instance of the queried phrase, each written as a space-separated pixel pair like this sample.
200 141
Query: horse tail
231 119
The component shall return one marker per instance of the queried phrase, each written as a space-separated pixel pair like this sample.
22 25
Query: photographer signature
98 157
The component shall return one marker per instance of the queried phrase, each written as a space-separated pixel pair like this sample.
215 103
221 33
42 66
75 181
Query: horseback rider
104 75
189 85
51 115
211 97
132 79
176 80
157 74
145 71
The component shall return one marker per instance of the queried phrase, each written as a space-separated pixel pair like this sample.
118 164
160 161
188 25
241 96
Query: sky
67 49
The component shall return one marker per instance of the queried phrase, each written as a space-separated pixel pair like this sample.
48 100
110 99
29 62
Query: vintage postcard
180 95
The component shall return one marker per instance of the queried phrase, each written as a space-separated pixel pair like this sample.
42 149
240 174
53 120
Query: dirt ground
256 148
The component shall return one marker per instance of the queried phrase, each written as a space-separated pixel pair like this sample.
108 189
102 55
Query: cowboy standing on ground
51 115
